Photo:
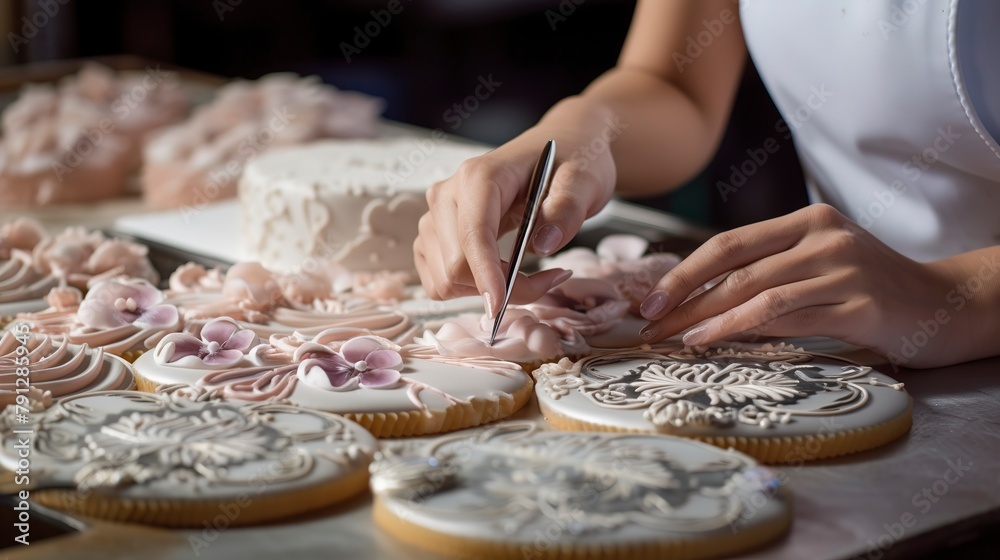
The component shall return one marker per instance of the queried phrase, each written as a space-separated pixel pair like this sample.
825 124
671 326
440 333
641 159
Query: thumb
575 195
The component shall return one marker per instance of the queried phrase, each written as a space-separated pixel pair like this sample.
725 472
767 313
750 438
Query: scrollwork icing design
720 387
515 477
168 437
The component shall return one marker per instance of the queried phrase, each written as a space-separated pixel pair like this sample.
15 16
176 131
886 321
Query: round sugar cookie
170 461
515 491
776 403
40 368
389 389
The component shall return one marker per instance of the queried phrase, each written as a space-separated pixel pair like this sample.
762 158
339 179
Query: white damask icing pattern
512 481
129 440
714 387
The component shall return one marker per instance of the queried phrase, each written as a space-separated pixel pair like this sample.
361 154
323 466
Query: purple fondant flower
115 303
223 343
360 361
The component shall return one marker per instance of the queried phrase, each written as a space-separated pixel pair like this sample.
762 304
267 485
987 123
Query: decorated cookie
776 403
35 369
305 302
389 389
170 461
125 317
517 492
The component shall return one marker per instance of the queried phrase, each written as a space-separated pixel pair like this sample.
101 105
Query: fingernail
488 304
649 332
561 278
653 305
547 239
696 336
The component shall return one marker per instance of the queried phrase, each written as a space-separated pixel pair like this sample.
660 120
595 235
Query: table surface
894 501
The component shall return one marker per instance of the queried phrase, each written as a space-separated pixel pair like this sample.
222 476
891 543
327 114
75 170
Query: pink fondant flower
361 361
115 303
587 306
222 343
522 338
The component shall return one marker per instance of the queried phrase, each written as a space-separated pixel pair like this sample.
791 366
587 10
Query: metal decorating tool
539 185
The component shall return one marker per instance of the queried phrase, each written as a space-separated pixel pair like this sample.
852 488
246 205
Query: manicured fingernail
649 332
696 336
488 304
653 305
547 239
561 278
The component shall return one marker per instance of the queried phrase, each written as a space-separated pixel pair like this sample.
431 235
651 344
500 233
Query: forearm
968 314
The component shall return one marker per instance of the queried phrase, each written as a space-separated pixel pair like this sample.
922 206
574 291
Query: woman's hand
810 273
456 251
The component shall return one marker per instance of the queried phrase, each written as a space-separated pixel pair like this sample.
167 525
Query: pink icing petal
218 330
145 294
383 359
184 345
94 313
224 358
357 349
240 340
622 247
157 316
379 378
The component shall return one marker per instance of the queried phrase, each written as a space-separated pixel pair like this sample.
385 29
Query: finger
738 287
724 252
475 244
437 280
575 195
529 288
783 306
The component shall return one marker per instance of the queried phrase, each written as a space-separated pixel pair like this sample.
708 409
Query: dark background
427 58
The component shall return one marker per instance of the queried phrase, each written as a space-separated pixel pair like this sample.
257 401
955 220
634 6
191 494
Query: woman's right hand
456 251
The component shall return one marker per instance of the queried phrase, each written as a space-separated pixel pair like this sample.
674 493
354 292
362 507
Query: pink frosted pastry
124 317
306 302
201 160
59 150
22 287
55 369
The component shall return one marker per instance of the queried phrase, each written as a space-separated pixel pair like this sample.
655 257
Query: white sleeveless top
894 106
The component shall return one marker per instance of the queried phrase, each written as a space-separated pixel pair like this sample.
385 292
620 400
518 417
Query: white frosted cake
514 491
353 202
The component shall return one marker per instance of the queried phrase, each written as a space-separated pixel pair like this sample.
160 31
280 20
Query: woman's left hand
810 273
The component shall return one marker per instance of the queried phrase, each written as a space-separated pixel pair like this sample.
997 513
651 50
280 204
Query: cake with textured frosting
354 203
516 492
779 403
170 461
36 368
200 160
390 389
